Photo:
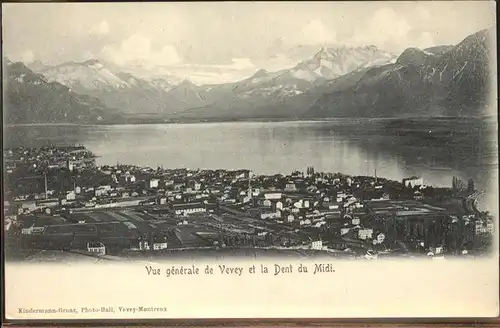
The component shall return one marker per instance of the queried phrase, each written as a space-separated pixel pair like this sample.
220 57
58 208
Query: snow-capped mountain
264 90
31 98
37 66
331 63
452 81
325 65
117 89
87 75
334 82
163 95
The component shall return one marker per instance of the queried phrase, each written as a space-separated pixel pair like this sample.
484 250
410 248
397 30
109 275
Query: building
27 231
188 208
413 182
365 233
97 248
290 187
272 195
153 183
71 195
270 215
45 203
484 227
158 244
317 244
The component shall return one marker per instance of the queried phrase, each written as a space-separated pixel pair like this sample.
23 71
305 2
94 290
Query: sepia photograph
212 149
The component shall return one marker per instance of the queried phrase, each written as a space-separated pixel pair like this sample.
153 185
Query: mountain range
439 81
31 98
451 80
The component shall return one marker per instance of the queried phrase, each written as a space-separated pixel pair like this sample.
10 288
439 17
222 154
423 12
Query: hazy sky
228 36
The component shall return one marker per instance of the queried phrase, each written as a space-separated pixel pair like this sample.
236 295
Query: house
158 244
194 185
305 222
154 183
290 187
101 192
413 182
418 195
317 244
96 247
130 178
484 227
365 233
435 250
299 204
71 195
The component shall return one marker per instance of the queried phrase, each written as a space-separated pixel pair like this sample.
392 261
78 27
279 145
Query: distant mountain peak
187 83
38 62
323 53
33 99
441 80
91 62
6 60
260 73
88 63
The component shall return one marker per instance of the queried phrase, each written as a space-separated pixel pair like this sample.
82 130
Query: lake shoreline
266 120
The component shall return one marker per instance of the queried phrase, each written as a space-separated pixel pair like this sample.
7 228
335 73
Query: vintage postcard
194 160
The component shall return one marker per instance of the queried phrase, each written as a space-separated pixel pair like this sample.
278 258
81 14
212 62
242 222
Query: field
121 229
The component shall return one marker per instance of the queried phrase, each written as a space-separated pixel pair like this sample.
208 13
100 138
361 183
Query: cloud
101 28
278 62
385 29
88 55
423 12
315 32
424 40
138 49
240 68
241 64
27 57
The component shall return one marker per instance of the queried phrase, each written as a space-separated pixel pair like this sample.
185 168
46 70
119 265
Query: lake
434 149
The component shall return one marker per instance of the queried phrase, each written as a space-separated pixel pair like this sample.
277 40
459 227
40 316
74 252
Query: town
58 199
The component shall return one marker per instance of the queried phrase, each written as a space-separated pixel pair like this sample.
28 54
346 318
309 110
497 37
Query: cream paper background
401 288
396 288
